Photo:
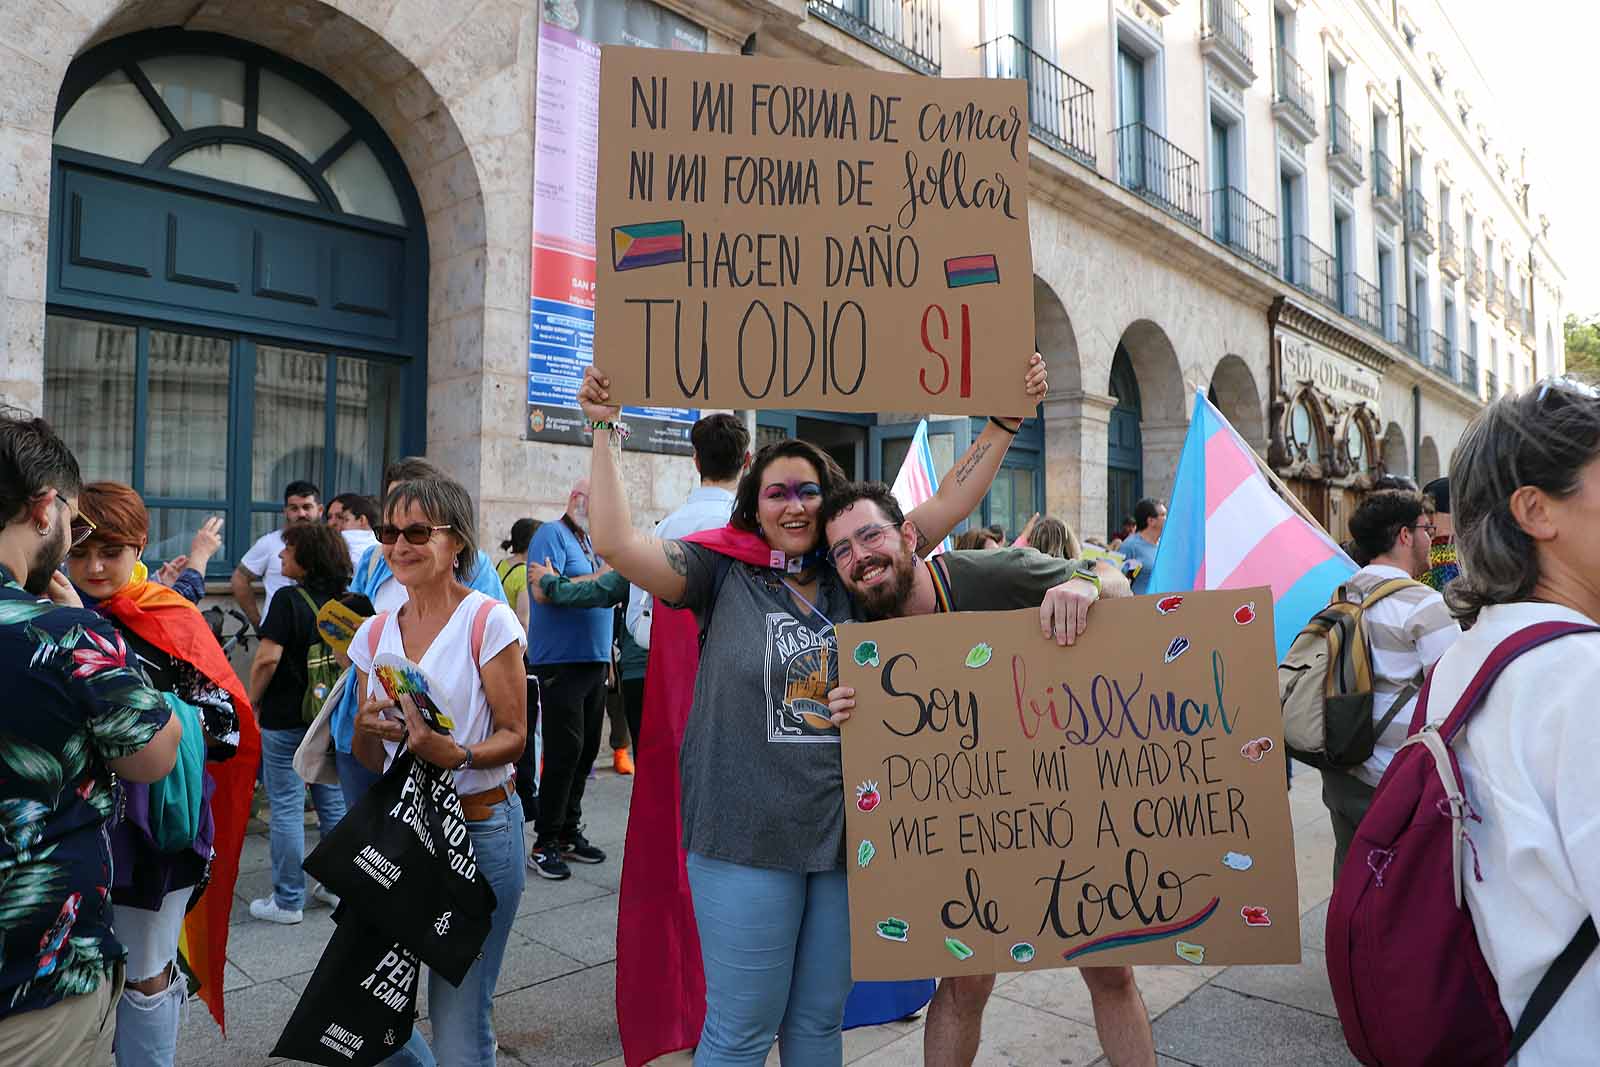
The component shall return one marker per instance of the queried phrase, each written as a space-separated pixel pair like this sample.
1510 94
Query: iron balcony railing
1449 258
1363 302
1495 296
1474 282
1227 23
1410 332
1491 384
905 30
1060 107
1342 144
1293 88
1159 171
1513 313
1468 371
1244 226
1439 363
1314 270
1385 178
1419 215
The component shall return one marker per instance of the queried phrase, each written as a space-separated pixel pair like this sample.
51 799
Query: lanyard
801 597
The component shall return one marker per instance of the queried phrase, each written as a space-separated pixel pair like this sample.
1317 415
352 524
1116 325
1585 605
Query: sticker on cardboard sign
1022 952
1238 861
1168 604
864 853
980 655
892 929
867 797
958 949
1255 750
1179 646
866 654
1255 916
1246 614
1190 952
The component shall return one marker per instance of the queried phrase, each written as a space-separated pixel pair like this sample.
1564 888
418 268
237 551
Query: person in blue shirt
569 650
1149 515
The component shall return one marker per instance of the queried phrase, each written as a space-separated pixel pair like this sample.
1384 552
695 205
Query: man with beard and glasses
569 650
78 712
873 549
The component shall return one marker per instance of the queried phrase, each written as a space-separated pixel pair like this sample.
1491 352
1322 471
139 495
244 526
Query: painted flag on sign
1227 528
917 480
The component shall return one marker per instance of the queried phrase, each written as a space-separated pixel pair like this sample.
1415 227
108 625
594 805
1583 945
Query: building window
1386 291
1304 427
1344 260
255 308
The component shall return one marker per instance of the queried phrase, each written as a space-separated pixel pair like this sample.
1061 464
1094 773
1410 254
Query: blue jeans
776 948
147 1023
354 779
463 1032
287 825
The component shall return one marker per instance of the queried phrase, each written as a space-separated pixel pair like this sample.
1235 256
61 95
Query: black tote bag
405 853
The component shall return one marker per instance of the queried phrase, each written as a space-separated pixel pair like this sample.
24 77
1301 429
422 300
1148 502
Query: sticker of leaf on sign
400 677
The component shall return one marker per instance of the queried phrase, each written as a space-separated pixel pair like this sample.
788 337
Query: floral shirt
75 700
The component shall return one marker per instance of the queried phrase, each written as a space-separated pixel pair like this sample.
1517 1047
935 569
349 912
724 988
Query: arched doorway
1427 461
237 294
1233 392
1396 458
1125 443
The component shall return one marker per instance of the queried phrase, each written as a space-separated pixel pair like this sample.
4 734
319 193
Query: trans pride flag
1227 528
917 480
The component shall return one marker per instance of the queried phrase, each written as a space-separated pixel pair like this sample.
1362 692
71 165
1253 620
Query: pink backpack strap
375 633
1523 640
480 622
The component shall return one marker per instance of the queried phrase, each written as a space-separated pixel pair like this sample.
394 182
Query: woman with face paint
766 864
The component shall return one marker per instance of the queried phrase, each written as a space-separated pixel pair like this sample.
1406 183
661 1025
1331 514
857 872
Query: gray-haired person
1525 489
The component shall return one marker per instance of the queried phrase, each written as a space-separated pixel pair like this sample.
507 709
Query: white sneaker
267 909
325 895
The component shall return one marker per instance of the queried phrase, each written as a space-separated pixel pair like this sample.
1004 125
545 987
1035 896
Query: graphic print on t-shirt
801 667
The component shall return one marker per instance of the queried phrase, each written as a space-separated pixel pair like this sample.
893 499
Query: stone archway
453 93
1427 461
1396 456
1233 390
1163 401
1074 421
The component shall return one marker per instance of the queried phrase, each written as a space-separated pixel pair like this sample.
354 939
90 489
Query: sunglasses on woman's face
418 533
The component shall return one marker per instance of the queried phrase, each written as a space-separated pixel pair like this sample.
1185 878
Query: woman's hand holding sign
594 396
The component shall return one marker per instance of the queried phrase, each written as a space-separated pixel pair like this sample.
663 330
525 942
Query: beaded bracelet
619 429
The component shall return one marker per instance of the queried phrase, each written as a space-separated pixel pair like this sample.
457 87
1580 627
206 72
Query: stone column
1162 444
1076 435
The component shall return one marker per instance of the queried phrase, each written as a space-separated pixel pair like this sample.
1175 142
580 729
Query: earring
44 531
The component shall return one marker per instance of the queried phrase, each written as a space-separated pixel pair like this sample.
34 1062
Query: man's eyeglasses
82 530
417 533
1426 527
868 537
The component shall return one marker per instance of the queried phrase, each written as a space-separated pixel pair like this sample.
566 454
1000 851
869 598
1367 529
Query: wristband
466 759
1003 426
1089 575
618 428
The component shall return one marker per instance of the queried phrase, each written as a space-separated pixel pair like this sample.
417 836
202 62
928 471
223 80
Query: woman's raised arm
656 566
963 487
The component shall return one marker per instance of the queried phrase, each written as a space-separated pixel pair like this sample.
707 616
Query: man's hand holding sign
1013 805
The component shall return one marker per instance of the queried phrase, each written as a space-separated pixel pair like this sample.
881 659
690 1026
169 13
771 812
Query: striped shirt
1407 631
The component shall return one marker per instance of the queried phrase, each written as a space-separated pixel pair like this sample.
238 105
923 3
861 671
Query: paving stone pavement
554 1006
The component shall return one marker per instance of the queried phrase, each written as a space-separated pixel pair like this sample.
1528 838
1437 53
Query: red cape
661 985
172 624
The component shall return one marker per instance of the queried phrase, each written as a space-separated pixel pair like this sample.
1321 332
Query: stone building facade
253 241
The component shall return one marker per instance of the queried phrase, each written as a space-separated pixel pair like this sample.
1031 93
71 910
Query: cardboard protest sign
1013 805
777 234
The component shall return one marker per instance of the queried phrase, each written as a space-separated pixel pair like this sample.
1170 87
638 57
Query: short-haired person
152 880
354 515
721 444
977 539
762 783
314 557
78 715
872 548
1149 517
263 560
1526 481
1407 630
429 543
375 580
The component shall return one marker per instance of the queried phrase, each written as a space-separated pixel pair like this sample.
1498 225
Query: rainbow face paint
796 491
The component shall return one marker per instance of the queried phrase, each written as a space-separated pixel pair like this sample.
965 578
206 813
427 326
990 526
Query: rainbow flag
646 244
1227 528
917 480
971 270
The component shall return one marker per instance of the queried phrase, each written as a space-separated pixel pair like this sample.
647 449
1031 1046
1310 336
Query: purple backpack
1410 982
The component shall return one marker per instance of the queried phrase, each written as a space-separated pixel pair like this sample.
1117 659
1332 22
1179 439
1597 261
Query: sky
1539 58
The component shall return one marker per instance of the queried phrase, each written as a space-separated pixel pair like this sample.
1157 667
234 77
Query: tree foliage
1582 337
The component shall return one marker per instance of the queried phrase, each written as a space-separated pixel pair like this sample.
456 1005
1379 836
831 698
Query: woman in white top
1525 485
428 541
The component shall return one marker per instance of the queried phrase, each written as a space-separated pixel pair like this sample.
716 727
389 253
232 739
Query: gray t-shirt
1001 579
762 781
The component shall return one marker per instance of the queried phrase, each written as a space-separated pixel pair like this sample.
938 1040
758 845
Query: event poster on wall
565 151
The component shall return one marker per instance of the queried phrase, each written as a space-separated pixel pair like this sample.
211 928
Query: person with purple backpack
1493 802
